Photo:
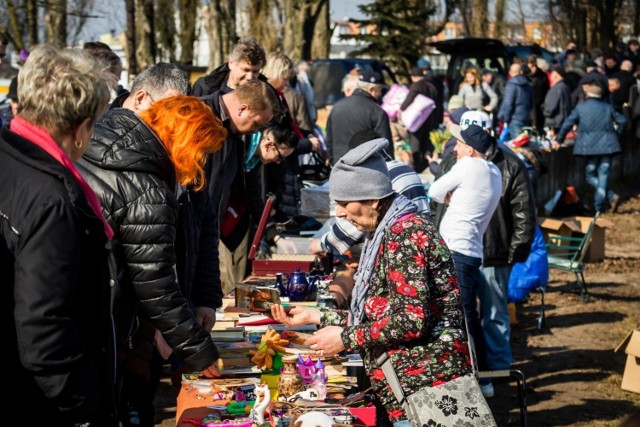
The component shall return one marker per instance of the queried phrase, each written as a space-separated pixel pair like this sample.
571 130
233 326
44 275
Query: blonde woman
279 71
476 94
53 258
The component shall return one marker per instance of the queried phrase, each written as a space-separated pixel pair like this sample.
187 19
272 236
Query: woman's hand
298 315
315 247
327 341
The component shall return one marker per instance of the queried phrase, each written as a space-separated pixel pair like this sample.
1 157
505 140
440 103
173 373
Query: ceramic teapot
302 287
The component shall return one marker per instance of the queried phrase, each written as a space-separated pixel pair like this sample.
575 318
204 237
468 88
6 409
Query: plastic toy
269 344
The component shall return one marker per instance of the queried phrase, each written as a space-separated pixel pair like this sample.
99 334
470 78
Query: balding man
625 81
517 102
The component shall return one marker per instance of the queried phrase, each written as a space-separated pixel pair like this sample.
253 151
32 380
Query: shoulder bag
414 116
456 402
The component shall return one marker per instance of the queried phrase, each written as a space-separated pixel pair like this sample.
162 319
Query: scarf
251 157
42 139
400 207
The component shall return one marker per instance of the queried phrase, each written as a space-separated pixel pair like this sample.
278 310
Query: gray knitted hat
361 174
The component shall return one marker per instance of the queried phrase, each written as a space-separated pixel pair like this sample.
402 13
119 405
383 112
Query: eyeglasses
151 98
280 156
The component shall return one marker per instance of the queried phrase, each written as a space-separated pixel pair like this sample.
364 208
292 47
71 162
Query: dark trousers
470 279
137 395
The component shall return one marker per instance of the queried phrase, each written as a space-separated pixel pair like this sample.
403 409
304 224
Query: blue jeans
597 169
515 128
470 281
403 423
494 299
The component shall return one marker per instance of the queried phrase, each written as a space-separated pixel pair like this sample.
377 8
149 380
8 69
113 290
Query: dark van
483 53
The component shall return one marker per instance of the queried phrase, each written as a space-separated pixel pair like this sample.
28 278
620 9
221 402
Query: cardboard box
631 377
577 226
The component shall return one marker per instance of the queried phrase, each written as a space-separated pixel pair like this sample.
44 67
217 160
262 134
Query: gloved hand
285 246
206 317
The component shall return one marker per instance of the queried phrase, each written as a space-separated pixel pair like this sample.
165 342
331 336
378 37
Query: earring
78 144
372 218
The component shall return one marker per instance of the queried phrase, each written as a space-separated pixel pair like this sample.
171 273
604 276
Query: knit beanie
361 174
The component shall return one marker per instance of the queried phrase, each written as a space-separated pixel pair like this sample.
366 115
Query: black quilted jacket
132 174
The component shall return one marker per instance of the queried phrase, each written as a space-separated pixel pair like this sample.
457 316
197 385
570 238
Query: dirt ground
572 374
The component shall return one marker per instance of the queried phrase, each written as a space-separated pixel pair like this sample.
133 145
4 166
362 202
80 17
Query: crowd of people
125 215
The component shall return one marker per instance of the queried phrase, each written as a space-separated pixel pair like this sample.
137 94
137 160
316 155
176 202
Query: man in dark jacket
130 170
557 103
245 110
246 60
420 143
515 110
357 113
507 240
539 89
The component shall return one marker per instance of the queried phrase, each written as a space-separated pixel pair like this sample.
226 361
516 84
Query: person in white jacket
472 188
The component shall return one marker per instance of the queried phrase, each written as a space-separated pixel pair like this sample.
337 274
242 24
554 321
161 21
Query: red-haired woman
147 171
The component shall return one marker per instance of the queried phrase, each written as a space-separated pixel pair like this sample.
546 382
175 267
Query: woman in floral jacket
406 301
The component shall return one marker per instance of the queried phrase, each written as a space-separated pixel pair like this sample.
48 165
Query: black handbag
317 169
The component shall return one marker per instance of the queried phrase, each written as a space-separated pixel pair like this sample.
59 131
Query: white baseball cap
479 118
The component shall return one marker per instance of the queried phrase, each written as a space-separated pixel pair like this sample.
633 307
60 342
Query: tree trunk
55 20
146 48
220 24
263 25
294 23
32 22
321 37
14 29
188 11
498 30
130 37
165 24
479 17
465 11
636 17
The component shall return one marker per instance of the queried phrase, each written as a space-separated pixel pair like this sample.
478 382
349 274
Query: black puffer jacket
510 233
57 331
511 230
130 170
198 275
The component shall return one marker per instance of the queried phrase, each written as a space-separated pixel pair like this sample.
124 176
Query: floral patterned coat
413 312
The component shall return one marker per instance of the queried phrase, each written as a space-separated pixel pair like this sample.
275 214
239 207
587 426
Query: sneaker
486 387
615 202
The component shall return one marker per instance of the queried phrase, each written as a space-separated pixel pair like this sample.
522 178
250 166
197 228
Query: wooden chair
567 253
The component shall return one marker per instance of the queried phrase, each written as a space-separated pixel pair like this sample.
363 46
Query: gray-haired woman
53 258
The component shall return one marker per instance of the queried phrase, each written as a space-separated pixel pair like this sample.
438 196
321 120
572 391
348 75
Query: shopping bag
393 99
414 116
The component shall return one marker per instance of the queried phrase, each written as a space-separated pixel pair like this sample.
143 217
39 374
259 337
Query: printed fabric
412 311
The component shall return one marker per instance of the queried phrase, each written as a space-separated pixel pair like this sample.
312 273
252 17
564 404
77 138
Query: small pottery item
290 381
298 288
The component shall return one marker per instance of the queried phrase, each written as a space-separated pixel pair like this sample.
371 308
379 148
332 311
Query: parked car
327 75
483 53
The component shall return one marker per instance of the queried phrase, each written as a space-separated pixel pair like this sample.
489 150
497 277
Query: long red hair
190 131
